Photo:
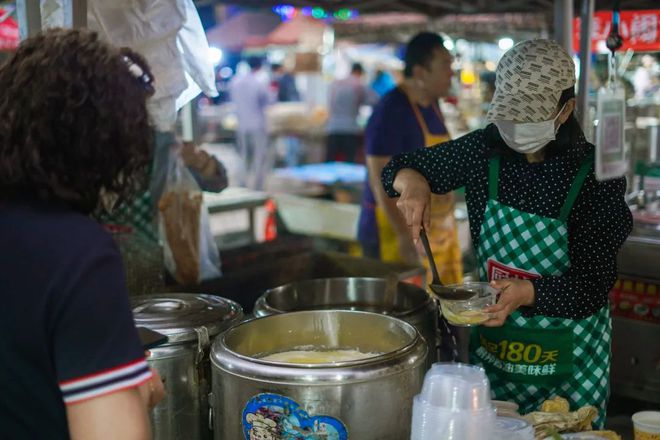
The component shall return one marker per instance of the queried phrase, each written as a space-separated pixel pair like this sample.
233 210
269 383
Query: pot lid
178 315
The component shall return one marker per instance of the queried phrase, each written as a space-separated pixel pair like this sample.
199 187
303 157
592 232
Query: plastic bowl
647 425
431 422
469 312
457 387
506 408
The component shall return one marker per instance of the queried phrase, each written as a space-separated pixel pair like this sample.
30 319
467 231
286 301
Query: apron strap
420 119
493 177
575 188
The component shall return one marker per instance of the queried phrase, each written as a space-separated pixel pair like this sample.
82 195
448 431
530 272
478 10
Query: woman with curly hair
73 127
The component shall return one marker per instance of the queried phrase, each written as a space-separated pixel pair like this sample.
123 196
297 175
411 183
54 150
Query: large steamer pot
367 399
190 322
407 302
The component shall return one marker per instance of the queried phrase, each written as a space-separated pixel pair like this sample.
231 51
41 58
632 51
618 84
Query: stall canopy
9 38
235 33
300 29
385 27
488 27
399 26
440 7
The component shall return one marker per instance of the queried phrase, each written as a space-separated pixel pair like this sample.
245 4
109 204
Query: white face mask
528 137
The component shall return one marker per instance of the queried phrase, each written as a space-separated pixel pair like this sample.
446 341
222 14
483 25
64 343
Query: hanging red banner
640 30
9 38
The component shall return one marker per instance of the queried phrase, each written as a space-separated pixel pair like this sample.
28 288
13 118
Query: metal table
233 215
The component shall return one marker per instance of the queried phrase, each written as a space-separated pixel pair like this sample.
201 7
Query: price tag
610 146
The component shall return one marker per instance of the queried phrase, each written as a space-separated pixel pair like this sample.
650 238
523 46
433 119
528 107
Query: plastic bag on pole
191 254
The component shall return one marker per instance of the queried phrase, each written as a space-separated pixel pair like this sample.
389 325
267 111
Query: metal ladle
443 292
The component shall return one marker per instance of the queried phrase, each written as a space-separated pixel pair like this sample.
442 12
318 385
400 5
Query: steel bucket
367 399
190 321
408 302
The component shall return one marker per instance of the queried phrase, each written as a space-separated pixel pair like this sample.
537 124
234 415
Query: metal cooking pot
408 302
190 322
367 399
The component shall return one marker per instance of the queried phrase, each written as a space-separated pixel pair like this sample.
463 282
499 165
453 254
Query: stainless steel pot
407 302
190 322
368 399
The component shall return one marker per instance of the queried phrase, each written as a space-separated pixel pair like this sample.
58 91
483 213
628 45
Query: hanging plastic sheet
611 159
169 34
610 146
56 13
191 254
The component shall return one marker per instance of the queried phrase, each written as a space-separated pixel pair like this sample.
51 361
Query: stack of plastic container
454 405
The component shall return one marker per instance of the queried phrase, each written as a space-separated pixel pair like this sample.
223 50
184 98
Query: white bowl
456 387
469 312
647 425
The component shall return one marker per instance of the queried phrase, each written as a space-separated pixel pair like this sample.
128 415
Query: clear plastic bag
190 252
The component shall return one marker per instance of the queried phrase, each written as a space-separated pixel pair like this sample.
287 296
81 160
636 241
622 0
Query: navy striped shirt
66 328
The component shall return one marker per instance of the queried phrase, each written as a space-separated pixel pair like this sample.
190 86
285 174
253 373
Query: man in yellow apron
408 117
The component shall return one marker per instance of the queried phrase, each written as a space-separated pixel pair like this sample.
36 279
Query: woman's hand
152 391
415 200
514 293
199 160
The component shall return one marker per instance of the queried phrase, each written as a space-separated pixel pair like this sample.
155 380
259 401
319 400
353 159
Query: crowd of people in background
265 85
252 91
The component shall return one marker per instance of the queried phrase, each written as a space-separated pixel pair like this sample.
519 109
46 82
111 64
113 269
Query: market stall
234 34
319 363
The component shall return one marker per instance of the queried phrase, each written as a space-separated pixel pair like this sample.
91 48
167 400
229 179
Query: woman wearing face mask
546 232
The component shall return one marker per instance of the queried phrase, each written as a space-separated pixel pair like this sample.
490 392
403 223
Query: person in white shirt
345 99
250 96
647 78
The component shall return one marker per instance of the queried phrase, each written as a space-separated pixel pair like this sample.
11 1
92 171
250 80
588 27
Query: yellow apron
443 235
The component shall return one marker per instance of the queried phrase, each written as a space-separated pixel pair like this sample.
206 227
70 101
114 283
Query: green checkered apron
532 359
139 214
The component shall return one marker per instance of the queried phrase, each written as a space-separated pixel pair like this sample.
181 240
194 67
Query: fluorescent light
462 46
505 43
215 55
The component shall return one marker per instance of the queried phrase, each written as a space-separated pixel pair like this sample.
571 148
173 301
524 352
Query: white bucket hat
529 80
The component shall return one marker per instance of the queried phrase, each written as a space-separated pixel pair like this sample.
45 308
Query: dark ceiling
399 27
440 7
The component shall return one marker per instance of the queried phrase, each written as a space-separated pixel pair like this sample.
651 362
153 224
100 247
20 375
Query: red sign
499 271
640 30
636 300
8 31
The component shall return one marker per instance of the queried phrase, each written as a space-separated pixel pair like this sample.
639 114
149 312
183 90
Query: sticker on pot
276 417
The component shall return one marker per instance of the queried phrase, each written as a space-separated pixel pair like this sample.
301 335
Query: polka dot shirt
598 224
